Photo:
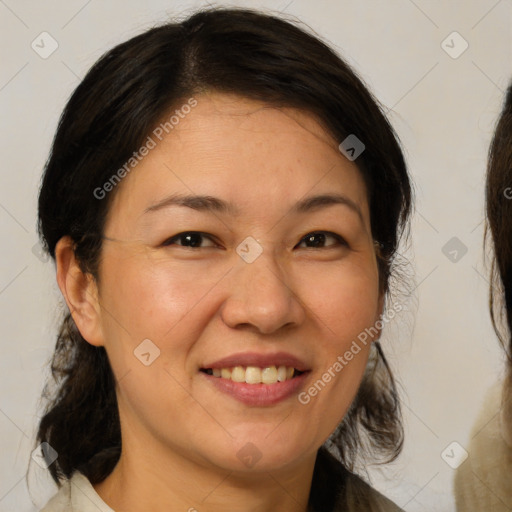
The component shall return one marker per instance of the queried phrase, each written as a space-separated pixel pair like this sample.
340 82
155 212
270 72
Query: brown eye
318 239
188 239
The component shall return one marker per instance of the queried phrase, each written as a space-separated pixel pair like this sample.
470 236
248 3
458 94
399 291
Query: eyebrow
207 203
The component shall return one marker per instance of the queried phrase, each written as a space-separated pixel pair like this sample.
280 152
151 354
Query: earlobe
80 292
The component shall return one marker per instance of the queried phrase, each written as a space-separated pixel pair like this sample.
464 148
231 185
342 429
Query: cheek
161 301
151 297
345 299
153 300
345 303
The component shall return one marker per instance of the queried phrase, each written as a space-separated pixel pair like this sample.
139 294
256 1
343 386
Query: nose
262 297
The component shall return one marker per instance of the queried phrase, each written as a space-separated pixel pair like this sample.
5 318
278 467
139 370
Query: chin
259 454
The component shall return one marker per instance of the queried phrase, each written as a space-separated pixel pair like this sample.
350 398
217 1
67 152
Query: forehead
244 151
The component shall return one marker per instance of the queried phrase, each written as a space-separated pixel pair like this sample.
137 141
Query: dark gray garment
335 489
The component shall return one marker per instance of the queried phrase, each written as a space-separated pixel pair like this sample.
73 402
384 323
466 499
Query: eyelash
341 241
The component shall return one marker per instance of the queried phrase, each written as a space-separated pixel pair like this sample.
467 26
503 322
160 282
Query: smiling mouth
255 374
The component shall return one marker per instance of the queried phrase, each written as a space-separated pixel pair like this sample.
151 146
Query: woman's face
275 279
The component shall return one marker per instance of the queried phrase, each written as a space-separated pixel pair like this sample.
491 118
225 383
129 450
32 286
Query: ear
80 292
380 311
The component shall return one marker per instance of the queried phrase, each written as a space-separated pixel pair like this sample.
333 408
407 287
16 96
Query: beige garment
483 483
76 495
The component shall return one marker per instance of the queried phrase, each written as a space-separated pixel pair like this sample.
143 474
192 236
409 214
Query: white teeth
281 373
255 374
238 374
269 375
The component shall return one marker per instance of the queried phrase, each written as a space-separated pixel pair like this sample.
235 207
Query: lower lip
258 395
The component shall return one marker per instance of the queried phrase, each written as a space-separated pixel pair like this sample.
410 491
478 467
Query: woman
483 482
223 202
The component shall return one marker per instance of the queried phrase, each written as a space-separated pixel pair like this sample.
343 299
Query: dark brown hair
499 224
110 114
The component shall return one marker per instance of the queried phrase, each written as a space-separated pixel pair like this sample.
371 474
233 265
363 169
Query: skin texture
197 305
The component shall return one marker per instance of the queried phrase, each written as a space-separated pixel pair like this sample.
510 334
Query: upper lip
259 360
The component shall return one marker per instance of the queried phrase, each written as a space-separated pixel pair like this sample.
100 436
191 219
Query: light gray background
443 348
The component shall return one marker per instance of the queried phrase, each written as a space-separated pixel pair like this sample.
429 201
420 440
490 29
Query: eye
318 239
194 239
189 239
